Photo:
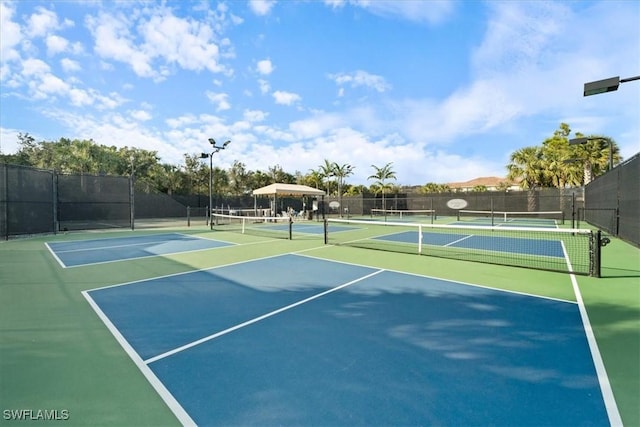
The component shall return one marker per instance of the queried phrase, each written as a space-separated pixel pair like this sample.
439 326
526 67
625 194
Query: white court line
99 239
150 256
459 240
605 386
53 254
101 248
226 244
257 319
456 282
152 242
149 279
165 394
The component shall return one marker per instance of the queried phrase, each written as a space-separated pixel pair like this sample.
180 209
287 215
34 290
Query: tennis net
403 214
276 227
564 250
544 218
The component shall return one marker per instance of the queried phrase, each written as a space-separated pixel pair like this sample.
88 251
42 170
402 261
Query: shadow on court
292 340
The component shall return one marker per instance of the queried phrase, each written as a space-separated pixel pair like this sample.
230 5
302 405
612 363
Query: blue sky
446 90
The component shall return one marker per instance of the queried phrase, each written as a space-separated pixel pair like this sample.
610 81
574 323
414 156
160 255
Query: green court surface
58 360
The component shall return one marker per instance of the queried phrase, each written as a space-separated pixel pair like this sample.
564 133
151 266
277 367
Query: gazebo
292 190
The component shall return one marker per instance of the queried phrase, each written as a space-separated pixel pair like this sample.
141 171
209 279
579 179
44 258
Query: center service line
257 319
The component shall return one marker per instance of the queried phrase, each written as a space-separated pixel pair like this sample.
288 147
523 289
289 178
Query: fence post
573 210
132 200
54 197
4 204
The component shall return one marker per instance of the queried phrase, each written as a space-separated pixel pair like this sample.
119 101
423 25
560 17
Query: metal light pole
606 85
215 149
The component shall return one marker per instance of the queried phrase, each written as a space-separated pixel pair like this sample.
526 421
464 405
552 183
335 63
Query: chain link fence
36 201
612 201
539 200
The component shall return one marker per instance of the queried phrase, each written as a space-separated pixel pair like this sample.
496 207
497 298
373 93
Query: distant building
491 183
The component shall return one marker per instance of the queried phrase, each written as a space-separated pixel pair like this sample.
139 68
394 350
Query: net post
188 216
243 224
290 227
419 239
596 254
433 212
326 231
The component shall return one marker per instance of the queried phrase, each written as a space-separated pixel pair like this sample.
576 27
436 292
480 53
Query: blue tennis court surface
544 247
84 252
293 340
515 223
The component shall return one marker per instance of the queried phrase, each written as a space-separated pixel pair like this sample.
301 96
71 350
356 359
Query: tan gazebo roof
280 189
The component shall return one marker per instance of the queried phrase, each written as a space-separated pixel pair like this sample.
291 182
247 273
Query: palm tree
595 155
313 178
526 164
555 155
326 171
383 174
341 172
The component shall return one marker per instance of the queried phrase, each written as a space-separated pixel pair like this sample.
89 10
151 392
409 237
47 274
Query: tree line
554 163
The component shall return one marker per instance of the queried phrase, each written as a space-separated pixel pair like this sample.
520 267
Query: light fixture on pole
606 85
215 149
584 140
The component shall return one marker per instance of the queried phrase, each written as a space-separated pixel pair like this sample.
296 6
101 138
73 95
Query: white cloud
163 40
261 7
10 34
56 44
285 98
140 115
430 12
48 84
80 97
9 140
335 3
69 65
255 116
265 67
108 102
317 125
42 22
361 78
187 42
113 40
264 86
520 35
221 100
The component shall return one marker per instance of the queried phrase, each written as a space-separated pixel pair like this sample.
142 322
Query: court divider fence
612 201
36 201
